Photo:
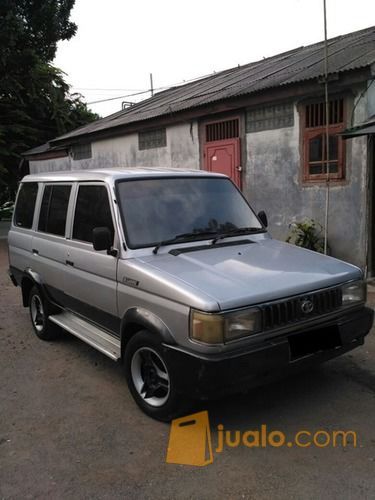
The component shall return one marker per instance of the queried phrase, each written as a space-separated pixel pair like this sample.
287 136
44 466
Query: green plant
307 234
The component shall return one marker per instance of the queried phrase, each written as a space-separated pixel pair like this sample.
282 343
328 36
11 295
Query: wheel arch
30 278
136 319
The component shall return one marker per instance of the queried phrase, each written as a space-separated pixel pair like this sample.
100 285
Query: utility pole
151 85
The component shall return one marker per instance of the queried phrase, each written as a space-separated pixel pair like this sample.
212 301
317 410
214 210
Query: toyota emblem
307 306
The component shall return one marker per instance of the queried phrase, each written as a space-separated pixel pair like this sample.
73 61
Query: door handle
69 263
35 251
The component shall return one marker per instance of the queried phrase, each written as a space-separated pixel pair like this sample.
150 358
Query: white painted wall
53 165
181 151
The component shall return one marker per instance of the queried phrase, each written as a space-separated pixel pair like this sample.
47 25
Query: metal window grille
81 151
222 130
316 116
150 139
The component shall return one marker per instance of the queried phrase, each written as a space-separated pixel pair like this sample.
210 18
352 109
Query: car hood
244 274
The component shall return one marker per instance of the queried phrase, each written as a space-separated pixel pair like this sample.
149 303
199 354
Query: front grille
278 314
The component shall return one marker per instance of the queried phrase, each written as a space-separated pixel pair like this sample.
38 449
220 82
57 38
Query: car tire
150 379
39 312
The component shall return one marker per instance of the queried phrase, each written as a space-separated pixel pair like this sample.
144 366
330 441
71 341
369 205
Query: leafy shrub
307 234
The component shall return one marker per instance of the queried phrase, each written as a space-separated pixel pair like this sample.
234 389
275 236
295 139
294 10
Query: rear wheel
151 381
39 312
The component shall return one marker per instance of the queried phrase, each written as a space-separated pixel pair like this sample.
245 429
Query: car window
52 218
92 210
24 212
159 209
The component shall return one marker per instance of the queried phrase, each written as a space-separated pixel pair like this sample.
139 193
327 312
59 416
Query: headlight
220 328
240 324
207 328
354 292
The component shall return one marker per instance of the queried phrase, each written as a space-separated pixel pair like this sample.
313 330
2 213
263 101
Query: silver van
172 273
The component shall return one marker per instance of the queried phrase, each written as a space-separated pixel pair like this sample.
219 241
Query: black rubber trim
94 315
178 251
149 321
12 273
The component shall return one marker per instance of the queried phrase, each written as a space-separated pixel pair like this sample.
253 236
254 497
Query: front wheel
151 381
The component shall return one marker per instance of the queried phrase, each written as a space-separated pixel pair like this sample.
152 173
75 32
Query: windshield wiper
237 232
194 235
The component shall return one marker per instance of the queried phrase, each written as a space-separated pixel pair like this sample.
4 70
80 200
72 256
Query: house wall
52 165
181 151
271 176
273 183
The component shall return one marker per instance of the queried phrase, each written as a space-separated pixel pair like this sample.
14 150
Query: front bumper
204 376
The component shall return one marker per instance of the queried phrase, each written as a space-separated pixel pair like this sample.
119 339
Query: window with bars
316 162
150 139
81 151
220 131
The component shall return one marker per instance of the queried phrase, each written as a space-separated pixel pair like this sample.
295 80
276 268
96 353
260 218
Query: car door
90 276
49 240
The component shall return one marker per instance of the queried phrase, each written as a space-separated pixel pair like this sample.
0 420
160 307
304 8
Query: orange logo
190 440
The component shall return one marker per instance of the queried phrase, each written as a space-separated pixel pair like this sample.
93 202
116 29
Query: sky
119 43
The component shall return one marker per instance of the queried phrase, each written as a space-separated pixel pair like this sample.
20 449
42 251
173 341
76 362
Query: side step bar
89 333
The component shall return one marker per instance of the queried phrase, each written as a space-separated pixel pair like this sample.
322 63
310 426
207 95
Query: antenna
327 127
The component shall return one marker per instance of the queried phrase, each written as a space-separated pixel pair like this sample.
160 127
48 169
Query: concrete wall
273 183
53 165
271 176
182 150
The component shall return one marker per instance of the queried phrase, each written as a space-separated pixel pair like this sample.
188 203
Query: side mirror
263 218
102 239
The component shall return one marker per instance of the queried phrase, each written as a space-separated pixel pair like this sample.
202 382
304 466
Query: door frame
370 227
209 120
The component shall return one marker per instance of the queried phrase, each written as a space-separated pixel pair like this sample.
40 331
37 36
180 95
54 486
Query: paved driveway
4 228
69 428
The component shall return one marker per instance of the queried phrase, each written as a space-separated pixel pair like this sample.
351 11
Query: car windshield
161 209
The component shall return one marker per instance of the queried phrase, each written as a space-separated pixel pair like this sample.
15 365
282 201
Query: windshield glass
155 210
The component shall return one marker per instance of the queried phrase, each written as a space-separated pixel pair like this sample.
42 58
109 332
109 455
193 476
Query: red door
224 157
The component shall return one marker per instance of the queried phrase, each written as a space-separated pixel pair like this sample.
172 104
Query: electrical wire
148 90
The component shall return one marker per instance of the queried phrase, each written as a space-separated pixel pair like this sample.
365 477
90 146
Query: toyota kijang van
172 273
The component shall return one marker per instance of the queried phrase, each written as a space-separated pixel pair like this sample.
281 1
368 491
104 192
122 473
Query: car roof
114 174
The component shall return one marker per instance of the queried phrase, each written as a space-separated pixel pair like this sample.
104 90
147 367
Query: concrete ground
69 427
4 228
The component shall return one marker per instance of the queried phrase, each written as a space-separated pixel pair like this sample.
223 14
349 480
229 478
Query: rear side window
92 210
24 212
52 218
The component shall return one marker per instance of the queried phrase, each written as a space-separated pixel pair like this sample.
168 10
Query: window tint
24 212
92 210
159 209
52 218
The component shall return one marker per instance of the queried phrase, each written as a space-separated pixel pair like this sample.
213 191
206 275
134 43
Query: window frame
88 244
36 207
40 201
81 151
146 147
308 133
